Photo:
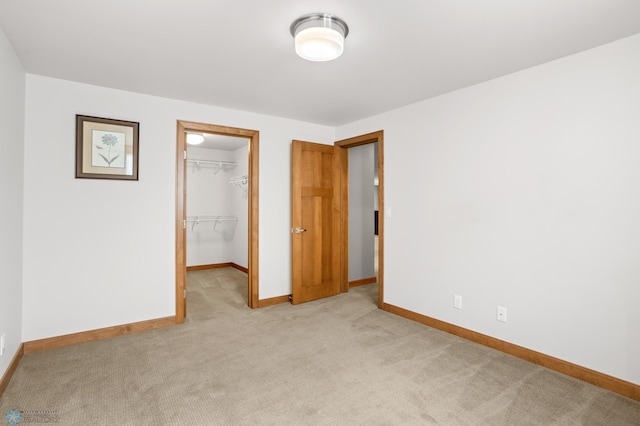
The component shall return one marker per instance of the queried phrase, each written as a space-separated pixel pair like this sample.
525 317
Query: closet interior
217 203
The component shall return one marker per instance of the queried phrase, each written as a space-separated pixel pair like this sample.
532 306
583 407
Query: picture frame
106 148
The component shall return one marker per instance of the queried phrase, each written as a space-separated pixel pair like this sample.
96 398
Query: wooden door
315 224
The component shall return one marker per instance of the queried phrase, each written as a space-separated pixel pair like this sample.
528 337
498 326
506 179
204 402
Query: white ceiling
221 142
239 54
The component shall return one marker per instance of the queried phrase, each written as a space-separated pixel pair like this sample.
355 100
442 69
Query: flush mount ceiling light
195 138
319 36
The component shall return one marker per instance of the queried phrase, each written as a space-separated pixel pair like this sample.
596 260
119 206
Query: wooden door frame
181 194
345 144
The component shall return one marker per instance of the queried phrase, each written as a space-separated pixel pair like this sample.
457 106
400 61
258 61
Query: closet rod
211 218
194 220
216 162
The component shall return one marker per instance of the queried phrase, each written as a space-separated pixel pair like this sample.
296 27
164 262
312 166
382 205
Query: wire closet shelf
216 220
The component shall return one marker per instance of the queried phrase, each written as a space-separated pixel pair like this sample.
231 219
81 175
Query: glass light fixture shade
194 138
319 44
319 36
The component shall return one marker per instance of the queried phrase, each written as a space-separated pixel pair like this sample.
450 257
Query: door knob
298 230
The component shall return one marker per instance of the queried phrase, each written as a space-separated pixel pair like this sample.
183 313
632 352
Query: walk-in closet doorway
216 204
363 214
217 215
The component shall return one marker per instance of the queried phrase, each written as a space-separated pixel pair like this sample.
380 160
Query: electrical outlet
501 314
2 344
457 301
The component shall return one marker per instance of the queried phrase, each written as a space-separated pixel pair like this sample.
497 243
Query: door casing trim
345 144
181 193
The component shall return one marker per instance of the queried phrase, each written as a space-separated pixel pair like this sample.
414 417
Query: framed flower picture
106 148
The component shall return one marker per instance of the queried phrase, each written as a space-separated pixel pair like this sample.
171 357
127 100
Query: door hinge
185 155
184 293
184 224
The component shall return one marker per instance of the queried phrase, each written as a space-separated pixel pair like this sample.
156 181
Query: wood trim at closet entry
254 237
210 266
217 265
240 268
350 143
181 236
253 210
363 281
274 301
344 218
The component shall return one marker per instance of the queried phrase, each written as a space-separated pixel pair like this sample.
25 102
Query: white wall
98 253
524 192
240 205
12 86
361 208
210 194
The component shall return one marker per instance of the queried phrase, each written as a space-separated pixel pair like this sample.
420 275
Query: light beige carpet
337 361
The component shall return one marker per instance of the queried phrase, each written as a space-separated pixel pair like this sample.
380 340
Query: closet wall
240 207
217 211
362 205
